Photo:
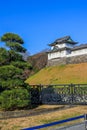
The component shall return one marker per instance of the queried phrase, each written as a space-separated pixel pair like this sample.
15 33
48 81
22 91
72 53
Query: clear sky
40 22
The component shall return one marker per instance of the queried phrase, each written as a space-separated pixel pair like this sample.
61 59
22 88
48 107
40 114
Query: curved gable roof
66 39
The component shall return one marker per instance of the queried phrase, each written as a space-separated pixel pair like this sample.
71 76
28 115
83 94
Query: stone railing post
85 118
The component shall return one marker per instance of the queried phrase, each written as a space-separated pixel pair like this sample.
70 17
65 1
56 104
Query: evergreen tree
12 68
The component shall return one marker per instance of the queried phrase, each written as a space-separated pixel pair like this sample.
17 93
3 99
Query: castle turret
61 47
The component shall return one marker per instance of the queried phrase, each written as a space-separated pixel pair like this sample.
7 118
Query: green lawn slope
62 74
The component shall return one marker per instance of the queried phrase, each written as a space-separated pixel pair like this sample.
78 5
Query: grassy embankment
62 74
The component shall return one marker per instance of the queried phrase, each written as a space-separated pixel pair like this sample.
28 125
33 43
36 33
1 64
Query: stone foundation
67 60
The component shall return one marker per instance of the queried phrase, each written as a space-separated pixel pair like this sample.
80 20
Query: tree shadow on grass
50 96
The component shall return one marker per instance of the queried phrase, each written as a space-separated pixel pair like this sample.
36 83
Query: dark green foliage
4 56
9 72
13 72
11 37
14 56
11 83
13 42
22 65
15 46
15 98
11 76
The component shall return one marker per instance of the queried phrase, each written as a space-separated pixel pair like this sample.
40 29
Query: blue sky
40 22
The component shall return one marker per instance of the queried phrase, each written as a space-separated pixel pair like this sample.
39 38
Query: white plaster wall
78 52
54 55
65 53
57 54
63 45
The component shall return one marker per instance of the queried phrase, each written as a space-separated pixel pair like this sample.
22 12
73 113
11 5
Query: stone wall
67 60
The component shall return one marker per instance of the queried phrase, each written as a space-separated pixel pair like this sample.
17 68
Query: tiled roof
82 46
66 39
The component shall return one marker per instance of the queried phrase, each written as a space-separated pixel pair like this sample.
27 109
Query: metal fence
59 94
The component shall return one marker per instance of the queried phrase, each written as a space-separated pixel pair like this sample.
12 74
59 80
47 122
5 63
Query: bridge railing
59 122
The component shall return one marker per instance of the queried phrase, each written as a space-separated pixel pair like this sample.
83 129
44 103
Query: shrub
14 99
